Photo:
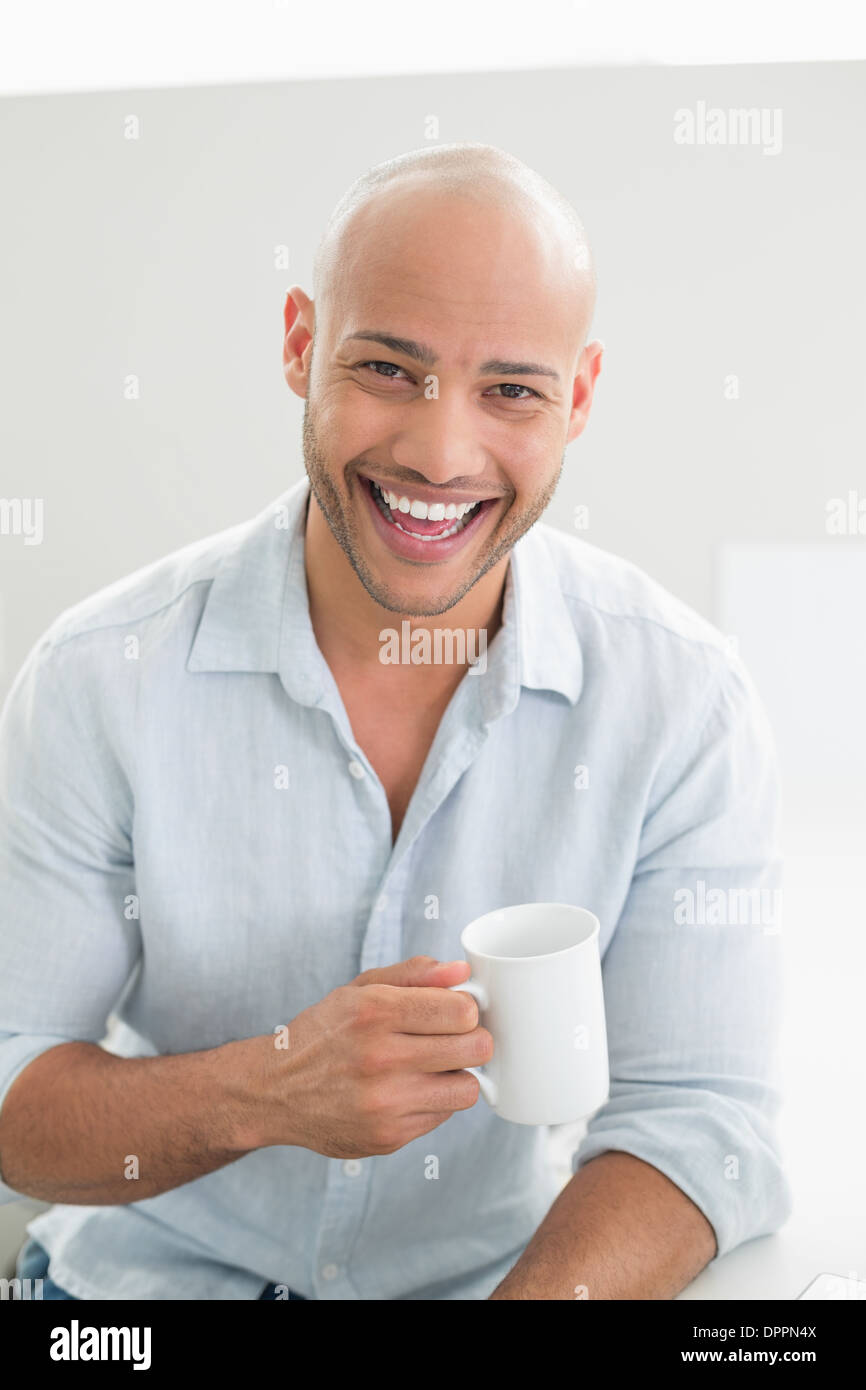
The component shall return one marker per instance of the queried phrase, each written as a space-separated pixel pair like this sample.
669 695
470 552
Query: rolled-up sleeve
693 975
68 941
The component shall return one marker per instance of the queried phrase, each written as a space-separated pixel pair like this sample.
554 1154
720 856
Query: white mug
536 977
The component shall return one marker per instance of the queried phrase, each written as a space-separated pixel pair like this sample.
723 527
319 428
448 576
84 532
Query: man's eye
511 386
391 368
392 372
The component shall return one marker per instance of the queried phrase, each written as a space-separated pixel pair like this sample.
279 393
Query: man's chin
408 603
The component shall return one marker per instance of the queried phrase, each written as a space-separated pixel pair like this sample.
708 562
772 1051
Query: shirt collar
256 615
241 624
549 650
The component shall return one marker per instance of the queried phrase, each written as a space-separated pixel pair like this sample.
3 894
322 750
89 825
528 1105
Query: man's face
428 471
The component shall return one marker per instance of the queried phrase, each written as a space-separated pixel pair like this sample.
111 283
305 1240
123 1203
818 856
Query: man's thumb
417 970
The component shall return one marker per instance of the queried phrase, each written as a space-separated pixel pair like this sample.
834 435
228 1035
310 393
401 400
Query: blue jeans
33 1264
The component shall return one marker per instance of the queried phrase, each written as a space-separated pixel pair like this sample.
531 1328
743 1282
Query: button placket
383 937
348 1182
346 1195
345 1201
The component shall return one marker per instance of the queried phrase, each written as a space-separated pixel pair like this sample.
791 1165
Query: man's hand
374 1064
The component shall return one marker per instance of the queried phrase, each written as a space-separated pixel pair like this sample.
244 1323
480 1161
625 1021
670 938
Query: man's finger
417 970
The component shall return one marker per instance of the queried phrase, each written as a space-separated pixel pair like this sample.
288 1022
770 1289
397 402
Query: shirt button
351 1167
329 1271
381 903
356 769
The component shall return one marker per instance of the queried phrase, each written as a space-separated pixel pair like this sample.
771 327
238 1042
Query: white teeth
459 512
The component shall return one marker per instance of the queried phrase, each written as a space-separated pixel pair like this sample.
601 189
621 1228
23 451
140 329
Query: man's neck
348 622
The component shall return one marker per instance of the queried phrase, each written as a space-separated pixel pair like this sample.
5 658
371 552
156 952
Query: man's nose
440 439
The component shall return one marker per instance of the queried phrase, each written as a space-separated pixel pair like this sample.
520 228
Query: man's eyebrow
495 367
420 352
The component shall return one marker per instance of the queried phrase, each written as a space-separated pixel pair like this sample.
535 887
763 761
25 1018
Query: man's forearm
618 1229
81 1125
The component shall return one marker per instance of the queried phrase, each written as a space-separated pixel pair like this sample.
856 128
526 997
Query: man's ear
299 318
584 387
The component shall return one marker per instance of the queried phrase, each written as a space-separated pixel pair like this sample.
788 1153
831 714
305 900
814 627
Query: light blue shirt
194 847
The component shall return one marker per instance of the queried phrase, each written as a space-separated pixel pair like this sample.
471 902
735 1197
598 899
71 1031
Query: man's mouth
427 520
418 528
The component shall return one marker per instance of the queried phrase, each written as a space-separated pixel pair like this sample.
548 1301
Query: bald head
451 181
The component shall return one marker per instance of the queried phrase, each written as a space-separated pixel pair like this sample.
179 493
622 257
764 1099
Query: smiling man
235 829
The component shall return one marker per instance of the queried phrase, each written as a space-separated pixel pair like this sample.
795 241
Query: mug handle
485 1082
